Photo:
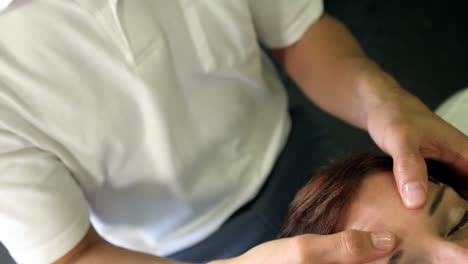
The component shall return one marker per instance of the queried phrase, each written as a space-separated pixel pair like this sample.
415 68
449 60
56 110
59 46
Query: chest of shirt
118 73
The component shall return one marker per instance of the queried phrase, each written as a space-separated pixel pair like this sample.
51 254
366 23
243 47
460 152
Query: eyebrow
437 200
396 257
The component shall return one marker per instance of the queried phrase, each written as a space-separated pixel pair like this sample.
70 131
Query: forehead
378 205
375 195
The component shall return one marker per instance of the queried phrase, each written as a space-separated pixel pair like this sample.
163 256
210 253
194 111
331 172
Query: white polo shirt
154 120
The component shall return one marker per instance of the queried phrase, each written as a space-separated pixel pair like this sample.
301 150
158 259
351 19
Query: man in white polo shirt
154 122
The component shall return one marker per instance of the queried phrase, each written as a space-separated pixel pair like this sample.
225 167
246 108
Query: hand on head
359 193
409 132
437 233
348 247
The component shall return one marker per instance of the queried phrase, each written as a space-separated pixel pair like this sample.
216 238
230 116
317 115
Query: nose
450 252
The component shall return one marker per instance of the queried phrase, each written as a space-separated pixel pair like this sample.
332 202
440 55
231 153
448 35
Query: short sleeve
280 23
43 213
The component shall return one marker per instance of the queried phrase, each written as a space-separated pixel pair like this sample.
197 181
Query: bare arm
95 250
351 245
331 68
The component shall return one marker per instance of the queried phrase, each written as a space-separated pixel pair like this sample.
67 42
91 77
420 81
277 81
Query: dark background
422 43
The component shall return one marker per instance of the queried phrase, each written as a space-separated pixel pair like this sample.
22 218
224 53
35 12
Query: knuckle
399 128
411 167
408 163
398 135
352 243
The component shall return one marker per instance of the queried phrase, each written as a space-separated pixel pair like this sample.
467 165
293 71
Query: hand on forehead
428 235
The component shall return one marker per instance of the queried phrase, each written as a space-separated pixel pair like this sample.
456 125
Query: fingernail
382 240
414 194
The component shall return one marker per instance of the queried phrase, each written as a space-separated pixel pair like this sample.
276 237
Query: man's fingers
353 246
409 168
410 173
347 247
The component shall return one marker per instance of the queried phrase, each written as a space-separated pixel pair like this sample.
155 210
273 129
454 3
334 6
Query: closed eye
462 222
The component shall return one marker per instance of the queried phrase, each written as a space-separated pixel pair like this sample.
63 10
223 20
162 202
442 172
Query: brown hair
321 203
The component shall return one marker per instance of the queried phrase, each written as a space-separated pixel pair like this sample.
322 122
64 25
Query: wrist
377 89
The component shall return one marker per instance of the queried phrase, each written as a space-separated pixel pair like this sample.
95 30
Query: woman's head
360 193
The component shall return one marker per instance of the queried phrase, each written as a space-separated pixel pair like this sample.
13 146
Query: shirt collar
4 4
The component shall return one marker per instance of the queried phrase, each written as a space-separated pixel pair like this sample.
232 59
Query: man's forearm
106 253
93 249
331 68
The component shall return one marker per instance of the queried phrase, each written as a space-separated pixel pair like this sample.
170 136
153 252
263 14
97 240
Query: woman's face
437 233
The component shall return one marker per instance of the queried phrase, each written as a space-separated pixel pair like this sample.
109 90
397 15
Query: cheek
453 252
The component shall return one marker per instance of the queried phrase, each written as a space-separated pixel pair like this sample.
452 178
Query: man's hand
330 67
406 129
351 246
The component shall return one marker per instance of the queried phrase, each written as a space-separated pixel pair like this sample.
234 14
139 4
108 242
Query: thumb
410 173
353 246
